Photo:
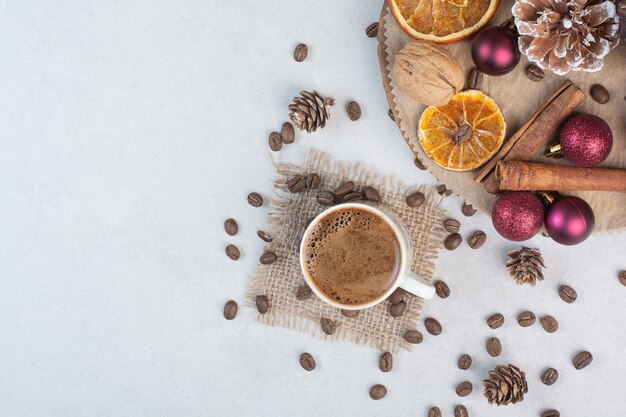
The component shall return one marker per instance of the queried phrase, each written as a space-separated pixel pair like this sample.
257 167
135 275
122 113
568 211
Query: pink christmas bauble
517 215
495 50
569 220
586 140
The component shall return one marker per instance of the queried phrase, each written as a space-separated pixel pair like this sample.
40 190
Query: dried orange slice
464 133
442 21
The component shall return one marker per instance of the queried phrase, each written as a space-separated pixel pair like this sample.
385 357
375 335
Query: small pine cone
505 385
525 266
309 111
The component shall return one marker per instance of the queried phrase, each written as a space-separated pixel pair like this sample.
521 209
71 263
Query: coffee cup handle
418 286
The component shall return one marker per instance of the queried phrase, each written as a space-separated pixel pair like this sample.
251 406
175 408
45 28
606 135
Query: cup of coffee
354 255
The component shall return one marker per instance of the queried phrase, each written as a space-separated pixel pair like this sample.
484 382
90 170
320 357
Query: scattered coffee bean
534 73
468 210
296 184
451 225
551 413
477 239
326 198
582 359
353 196
549 376
230 310
301 52
372 30
262 304
419 164
460 411
264 236
385 361
599 94
378 392
549 324
526 318
622 277
567 294
413 336
351 314
354 111
434 412
465 361
255 199
390 114
396 310
344 188
328 326
268 258
307 361
495 320
303 292
475 79
275 141
433 326
415 199
287 133
232 252
464 389
231 227
452 241
397 295
371 194
494 347
442 190
442 289
313 181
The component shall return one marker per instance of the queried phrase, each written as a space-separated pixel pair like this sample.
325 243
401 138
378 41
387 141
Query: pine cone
621 12
566 35
505 385
525 265
309 111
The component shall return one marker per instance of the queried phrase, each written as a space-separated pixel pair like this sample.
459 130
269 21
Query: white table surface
129 131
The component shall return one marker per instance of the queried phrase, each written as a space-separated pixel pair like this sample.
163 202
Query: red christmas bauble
495 50
586 140
517 215
569 220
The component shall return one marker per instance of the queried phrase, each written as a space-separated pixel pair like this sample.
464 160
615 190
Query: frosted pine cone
566 35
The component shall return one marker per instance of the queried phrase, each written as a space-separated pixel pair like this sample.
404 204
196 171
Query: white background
130 130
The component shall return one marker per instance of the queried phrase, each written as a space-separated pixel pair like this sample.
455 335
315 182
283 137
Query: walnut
428 73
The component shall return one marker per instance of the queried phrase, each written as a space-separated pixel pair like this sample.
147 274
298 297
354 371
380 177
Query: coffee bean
549 376
390 114
442 190
371 194
296 184
464 389
378 392
534 73
442 289
451 225
344 188
262 304
415 199
303 292
231 227
495 320
397 295
396 310
354 111
494 347
413 336
328 326
567 294
268 258
475 79
326 198
452 241
351 314
419 164
287 133
301 52
275 141
264 236
232 252
230 310
385 362
307 361
468 210
255 199
372 30
313 181
433 326
549 324
434 412
465 361
582 359
526 318
477 239
599 94
551 413
622 277
460 411
353 196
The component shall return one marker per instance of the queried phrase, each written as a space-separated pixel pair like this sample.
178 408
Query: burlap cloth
287 219
518 98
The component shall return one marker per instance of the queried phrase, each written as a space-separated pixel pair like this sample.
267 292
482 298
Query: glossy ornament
585 140
495 50
569 220
517 215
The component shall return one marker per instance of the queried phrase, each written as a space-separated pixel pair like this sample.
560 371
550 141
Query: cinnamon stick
520 175
534 134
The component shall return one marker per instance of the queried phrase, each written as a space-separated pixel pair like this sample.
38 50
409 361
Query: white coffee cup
405 279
